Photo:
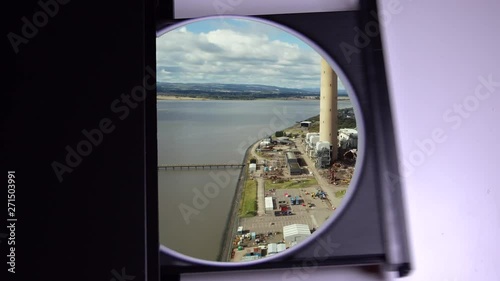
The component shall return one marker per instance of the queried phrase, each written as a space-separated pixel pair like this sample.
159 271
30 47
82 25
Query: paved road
330 189
261 205
302 214
327 187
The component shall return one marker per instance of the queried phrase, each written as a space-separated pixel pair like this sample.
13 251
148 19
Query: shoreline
168 97
187 98
233 218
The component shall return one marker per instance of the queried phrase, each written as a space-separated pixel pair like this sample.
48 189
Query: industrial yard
296 179
293 191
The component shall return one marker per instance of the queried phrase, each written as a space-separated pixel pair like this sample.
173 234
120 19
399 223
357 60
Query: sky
236 51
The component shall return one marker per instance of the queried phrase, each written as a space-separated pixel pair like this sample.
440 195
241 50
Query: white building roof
296 232
348 131
281 247
269 203
322 144
272 248
313 140
308 135
250 258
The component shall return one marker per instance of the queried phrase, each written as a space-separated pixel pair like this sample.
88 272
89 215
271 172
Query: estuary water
194 204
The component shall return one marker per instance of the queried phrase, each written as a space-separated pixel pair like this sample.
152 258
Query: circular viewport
257 140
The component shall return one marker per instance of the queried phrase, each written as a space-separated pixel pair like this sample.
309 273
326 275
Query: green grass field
340 193
248 207
291 184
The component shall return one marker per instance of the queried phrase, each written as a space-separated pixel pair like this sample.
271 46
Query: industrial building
324 145
283 140
348 138
323 151
293 164
275 248
294 169
252 167
323 154
265 143
306 124
295 233
269 205
311 140
290 157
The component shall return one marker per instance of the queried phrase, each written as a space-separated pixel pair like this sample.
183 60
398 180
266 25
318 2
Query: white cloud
228 55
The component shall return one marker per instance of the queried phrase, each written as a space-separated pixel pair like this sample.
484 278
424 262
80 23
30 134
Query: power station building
293 164
324 145
311 140
348 138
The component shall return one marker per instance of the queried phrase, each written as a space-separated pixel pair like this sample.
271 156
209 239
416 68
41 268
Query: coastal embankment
233 218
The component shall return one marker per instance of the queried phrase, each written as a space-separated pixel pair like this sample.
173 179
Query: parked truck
284 211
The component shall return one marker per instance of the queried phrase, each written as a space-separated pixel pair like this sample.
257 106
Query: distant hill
316 90
231 91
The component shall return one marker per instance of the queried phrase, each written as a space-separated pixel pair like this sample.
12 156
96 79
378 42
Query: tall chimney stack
328 107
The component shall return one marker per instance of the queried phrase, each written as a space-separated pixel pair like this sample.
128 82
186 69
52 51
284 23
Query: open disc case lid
369 228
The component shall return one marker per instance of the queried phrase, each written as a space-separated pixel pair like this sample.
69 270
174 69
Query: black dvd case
370 230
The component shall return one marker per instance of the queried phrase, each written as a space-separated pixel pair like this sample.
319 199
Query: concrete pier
200 166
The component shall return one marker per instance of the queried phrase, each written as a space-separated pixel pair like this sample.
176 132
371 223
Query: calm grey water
204 132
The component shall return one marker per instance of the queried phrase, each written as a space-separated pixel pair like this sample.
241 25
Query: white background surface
435 52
